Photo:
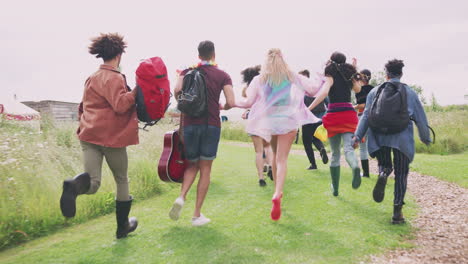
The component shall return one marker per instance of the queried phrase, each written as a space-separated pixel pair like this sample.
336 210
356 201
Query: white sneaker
199 221
174 214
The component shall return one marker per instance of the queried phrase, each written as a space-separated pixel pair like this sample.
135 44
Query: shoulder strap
348 82
430 128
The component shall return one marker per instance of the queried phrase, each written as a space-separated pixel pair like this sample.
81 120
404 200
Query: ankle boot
379 190
397 215
365 168
71 189
323 155
124 224
335 177
356 178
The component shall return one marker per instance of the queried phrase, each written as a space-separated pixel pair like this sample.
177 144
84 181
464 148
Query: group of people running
279 104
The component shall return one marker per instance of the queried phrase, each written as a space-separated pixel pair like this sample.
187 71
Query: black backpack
388 113
193 99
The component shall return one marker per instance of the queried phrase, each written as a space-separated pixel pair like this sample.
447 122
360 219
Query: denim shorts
201 142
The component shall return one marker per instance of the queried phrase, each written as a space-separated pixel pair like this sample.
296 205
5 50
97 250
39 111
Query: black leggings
308 138
401 166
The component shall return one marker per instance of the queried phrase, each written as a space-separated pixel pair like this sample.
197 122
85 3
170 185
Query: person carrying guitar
201 135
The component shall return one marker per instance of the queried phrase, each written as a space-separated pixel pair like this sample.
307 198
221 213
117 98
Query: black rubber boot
312 166
365 168
71 189
356 178
270 172
335 177
124 224
379 189
397 215
323 155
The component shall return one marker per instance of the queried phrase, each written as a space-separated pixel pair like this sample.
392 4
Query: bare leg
189 178
203 184
273 142
283 147
258 145
268 152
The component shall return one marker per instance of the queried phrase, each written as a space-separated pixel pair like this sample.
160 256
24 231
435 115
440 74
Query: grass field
451 168
315 227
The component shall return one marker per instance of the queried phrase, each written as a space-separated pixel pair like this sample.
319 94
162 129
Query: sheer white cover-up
279 109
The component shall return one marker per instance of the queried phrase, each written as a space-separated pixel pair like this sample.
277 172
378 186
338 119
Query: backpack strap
430 128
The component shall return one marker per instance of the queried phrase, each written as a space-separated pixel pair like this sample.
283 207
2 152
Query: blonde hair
275 70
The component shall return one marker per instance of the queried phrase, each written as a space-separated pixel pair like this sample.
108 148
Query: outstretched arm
230 97
320 96
310 85
251 95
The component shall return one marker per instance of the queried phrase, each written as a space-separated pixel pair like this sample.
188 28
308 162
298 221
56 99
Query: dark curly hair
394 68
249 73
107 46
338 68
306 73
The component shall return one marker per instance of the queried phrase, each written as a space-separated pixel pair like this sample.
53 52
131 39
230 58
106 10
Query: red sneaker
276 209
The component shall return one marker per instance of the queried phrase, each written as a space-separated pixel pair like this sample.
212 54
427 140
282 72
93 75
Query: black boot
397 215
312 166
270 173
124 225
335 177
379 189
71 189
356 178
323 155
365 168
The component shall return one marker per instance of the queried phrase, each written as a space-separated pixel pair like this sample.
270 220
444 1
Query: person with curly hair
401 144
276 100
262 148
107 125
341 119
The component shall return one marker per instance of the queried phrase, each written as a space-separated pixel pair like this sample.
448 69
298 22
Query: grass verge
451 168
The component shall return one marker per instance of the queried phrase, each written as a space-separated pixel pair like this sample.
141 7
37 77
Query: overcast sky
44 55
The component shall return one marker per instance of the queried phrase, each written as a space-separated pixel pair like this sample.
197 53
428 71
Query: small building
12 110
56 110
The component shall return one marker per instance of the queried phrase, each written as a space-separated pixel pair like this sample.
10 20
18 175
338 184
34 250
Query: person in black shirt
360 105
308 131
341 119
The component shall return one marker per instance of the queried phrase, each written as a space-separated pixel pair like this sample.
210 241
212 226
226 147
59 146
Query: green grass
315 226
451 168
33 166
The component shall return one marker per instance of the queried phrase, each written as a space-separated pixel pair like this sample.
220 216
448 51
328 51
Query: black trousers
308 139
401 167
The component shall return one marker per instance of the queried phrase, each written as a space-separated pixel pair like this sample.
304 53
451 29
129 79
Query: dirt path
442 222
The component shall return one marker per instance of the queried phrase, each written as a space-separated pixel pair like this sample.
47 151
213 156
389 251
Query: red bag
153 90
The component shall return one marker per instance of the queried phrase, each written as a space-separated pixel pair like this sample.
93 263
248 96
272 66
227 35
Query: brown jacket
107 113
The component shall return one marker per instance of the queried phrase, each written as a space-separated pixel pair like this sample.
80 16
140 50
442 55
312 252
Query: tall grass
449 124
34 164
450 128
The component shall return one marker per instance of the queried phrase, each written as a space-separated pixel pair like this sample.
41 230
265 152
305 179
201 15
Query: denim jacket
403 141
